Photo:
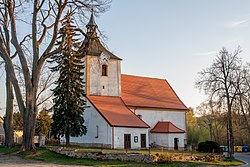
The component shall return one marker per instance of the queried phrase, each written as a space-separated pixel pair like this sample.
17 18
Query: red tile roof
166 127
115 112
149 93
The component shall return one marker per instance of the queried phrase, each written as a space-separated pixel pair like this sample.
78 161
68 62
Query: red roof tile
166 127
114 111
149 93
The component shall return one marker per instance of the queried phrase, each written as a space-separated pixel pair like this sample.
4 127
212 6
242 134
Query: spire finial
91 20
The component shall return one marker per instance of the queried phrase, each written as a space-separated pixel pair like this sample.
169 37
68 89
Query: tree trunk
8 119
29 122
230 131
67 136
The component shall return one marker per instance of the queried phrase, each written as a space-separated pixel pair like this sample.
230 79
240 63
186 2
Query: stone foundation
136 157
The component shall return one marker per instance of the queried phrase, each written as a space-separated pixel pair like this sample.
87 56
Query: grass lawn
49 156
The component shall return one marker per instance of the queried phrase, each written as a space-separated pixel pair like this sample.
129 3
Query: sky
172 39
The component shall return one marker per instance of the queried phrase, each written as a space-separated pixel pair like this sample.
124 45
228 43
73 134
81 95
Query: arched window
104 70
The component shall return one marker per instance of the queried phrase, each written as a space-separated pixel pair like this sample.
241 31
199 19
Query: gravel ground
14 161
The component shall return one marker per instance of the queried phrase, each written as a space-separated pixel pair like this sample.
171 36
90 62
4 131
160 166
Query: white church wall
105 85
167 140
152 116
160 139
181 138
99 131
134 132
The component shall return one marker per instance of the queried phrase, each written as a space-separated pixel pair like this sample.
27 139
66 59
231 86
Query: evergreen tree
69 94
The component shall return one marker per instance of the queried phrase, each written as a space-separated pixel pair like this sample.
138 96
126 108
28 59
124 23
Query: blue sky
173 39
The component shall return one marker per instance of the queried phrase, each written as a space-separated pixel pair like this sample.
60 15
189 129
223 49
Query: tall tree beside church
218 81
69 93
34 43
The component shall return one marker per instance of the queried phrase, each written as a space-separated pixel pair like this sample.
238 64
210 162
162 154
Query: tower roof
91 20
92 42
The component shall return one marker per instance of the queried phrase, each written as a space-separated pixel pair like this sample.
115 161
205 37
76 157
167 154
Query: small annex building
127 111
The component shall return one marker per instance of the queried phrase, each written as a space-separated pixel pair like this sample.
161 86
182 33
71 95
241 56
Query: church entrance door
176 143
143 140
127 141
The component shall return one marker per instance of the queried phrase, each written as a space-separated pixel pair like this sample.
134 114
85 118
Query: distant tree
43 123
243 98
69 93
218 82
196 133
17 121
214 120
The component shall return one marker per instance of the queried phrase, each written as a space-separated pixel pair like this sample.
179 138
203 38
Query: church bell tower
102 68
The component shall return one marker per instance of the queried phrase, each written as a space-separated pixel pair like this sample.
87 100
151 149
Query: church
127 111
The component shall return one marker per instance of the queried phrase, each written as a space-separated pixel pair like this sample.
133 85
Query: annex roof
115 112
166 127
147 92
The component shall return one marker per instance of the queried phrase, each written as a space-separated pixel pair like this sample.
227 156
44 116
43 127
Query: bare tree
243 99
45 18
8 118
218 82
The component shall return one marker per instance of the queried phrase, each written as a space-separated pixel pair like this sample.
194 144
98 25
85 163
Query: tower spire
91 26
92 19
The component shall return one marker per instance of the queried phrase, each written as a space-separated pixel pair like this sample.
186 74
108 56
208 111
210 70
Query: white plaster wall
151 117
167 140
159 139
111 83
180 136
119 136
92 119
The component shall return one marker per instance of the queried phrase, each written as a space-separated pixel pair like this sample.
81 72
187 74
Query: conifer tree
69 94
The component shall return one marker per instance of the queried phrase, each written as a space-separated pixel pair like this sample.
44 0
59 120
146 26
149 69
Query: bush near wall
209 147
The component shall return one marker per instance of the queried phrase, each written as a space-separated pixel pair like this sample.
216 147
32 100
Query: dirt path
14 161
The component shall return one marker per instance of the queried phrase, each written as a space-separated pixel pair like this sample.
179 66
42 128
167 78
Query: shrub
165 158
209 147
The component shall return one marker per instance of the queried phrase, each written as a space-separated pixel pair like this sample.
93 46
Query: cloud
232 42
210 53
240 23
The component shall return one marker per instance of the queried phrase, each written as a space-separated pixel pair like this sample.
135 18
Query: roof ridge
99 101
99 112
176 127
175 93
133 112
143 76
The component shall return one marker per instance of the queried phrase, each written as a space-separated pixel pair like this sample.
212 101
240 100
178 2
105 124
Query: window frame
104 70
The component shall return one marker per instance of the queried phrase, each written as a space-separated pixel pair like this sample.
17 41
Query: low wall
136 157
105 156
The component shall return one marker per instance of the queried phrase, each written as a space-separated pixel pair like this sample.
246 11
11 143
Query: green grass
6 150
52 157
